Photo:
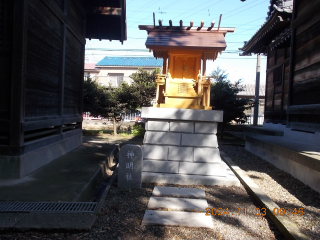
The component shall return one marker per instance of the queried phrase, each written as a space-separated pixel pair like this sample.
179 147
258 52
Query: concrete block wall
296 158
182 147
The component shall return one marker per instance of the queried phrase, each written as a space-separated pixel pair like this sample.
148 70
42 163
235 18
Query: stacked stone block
179 144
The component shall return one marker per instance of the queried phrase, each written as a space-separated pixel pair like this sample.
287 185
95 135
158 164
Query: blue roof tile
130 61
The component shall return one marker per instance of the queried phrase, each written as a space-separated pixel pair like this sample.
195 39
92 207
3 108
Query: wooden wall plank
271 58
304 10
305 25
18 73
306 51
38 124
75 17
269 92
6 30
285 86
280 55
43 62
309 72
73 75
306 92
41 104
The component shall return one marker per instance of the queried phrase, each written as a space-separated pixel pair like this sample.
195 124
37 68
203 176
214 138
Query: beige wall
108 74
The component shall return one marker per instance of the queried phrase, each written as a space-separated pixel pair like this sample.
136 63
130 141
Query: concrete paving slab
183 179
181 219
178 203
56 222
178 192
82 169
8 220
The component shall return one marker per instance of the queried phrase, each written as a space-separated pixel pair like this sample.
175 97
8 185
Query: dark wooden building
290 37
42 46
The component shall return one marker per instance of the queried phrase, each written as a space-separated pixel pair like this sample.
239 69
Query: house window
277 75
115 79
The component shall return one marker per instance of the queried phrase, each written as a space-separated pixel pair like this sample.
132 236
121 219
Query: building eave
258 43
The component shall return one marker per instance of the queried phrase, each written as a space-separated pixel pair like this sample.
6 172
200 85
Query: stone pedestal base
181 145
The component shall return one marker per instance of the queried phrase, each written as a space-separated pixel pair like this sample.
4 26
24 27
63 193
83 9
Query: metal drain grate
75 207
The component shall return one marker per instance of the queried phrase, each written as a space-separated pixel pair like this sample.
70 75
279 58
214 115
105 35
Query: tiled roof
249 90
131 61
280 6
278 19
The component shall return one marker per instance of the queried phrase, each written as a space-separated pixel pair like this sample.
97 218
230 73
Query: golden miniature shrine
183 83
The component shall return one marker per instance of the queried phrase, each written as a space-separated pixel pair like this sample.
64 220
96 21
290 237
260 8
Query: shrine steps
187 179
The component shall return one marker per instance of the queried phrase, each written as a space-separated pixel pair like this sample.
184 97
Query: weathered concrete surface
301 160
57 186
16 167
182 114
155 152
203 169
180 154
182 219
199 140
178 203
178 192
183 179
71 177
158 126
162 138
56 222
160 166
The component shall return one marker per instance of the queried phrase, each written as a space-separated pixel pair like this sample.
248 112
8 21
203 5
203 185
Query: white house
115 70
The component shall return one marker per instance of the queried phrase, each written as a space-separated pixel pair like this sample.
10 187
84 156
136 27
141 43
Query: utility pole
256 98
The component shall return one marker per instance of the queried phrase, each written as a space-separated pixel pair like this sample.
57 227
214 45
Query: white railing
131 117
250 119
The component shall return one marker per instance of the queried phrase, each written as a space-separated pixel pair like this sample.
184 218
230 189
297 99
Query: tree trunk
114 126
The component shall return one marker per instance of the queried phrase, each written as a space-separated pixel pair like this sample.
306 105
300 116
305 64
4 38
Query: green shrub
138 130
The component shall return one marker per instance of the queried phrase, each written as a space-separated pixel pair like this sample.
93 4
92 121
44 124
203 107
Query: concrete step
252 130
183 179
178 203
217 169
300 159
182 219
178 192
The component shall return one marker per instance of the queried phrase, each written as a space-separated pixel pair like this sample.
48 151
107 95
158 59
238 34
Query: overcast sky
246 17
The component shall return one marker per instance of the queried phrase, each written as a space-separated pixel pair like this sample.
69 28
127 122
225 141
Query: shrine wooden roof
202 39
273 31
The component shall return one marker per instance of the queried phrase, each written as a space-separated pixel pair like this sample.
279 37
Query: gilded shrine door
184 65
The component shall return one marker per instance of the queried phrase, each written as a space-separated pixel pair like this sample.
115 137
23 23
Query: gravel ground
123 211
285 190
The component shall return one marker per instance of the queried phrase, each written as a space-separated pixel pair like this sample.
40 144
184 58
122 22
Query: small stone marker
130 166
